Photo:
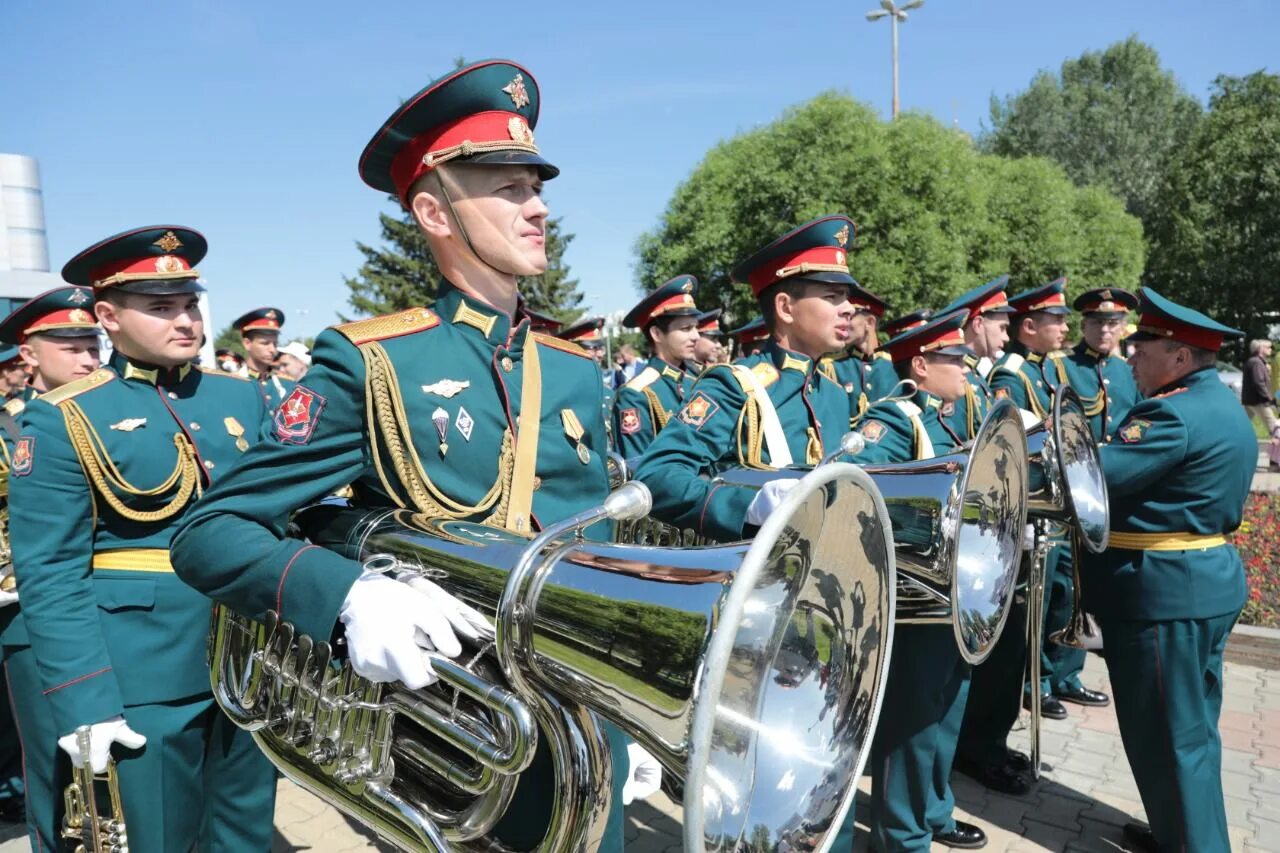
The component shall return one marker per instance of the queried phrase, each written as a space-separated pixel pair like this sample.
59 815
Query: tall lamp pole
896 14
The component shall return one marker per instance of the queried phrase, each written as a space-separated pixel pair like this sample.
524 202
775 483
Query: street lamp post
896 14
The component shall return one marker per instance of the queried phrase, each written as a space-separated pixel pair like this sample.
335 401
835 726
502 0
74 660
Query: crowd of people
143 489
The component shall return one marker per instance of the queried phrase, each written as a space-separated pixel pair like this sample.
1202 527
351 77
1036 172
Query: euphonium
81 823
752 670
957 528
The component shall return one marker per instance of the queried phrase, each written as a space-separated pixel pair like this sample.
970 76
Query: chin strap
462 228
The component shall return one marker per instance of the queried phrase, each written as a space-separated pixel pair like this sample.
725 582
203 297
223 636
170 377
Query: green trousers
11 785
1060 666
915 742
1167 679
199 783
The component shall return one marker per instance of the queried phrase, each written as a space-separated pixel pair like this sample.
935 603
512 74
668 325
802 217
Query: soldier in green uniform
57 338
865 377
1097 372
13 375
915 743
643 407
121 642
903 323
769 410
1169 587
750 337
588 335
228 361
260 334
1027 375
995 687
483 420
709 349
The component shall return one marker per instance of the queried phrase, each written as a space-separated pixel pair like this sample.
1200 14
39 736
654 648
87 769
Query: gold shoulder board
15 406
562 345
213 371
388 326
76 387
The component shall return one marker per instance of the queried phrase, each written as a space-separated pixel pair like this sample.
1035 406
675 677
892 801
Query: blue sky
245 119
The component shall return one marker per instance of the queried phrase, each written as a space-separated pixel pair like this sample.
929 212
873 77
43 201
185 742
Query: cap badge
842 236
79 315
77 297
1106 294
168 242
515 89
168 263
273 315
519 130
687 287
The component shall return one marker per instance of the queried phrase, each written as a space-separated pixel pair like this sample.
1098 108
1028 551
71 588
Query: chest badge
441 420
129 424
236 431
447 388
464 423
574 430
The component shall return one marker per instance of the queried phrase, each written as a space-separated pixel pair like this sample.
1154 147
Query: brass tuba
753 671
957 529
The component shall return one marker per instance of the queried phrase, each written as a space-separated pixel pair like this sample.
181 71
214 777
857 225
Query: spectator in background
629 364
293 361
1255 394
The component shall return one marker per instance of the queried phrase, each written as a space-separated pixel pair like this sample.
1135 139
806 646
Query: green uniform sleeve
52 506
318 444
889 439
1149 444
1009 384
632 427
696 444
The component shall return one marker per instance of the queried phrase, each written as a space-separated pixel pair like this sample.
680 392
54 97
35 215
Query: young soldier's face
502 210
56 361
163 330
261 348
820 320
678 343
987 334
941 375
1102 331
1042 332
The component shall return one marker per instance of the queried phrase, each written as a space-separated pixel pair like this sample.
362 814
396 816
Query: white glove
101 736
7 596
644 777
1028 419
768 499
465 619
388 626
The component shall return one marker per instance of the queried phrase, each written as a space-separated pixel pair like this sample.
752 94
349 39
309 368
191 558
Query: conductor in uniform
1169 586
120 642
477 418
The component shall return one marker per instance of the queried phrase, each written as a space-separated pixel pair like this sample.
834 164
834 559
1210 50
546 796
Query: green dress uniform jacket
865 380
644 406
967 413
449 388
1105 385
1020 376
274 389
724 424
103 472
915 742
1167 591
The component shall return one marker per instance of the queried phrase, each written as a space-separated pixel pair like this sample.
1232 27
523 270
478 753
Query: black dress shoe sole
1080 700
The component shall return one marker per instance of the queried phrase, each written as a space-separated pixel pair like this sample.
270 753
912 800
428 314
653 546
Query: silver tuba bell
957 529
753 671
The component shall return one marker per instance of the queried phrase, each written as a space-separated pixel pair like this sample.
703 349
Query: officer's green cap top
584 332
155 259
750 332
816 251
989 298
1047 298
942 335
906 322
9 355
1105 300
1161 318
672 299
259 320
709 323
481 113
63 312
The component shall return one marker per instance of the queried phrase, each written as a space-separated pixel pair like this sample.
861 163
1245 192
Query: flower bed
1258 541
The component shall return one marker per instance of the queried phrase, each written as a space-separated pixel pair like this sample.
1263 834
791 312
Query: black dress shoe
1138 837
1018 760
1050 707
13 810
965 836
1083 696
1004 778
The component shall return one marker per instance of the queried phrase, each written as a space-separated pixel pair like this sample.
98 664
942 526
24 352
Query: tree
1216 233
1110 118
401 273
229 338
935 216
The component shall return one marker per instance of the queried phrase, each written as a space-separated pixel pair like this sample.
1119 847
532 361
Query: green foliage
935 216
229 338
1110 118
1216 233
401 273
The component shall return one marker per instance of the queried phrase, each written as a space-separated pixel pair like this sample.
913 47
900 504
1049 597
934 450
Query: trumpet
82 823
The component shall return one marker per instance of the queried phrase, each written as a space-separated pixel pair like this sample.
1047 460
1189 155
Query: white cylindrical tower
24 246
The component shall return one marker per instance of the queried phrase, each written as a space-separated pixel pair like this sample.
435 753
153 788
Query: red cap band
1167 327
817 259
494 130
65 318
1053 300
140 268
